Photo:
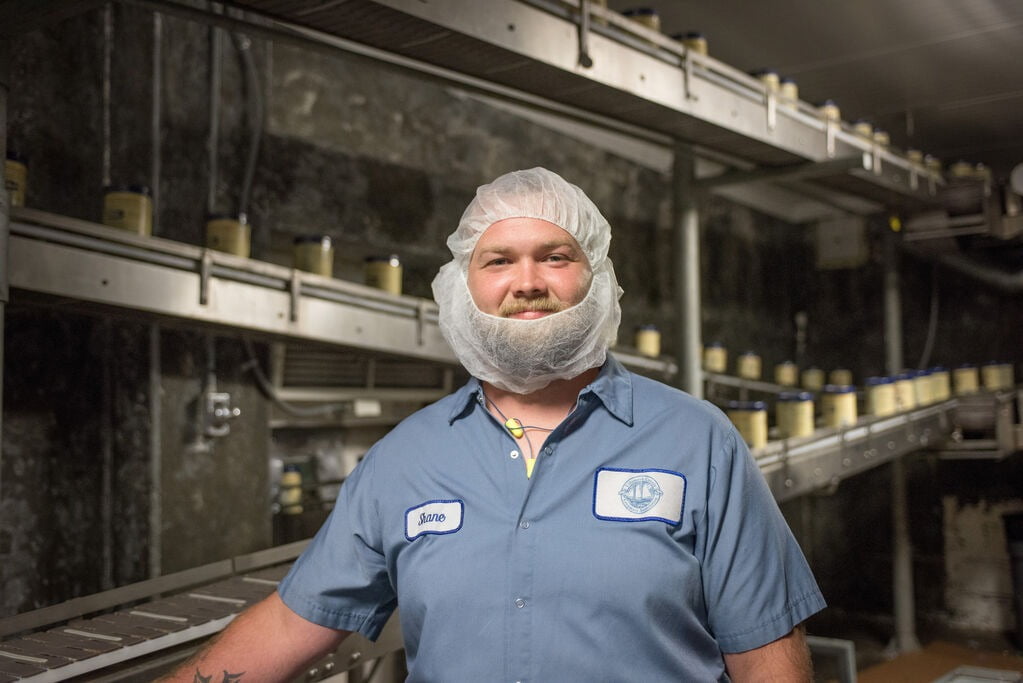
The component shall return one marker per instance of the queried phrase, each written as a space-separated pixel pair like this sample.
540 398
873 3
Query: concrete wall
382 162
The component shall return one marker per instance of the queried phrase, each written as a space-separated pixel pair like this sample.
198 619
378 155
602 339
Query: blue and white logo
641 493
628 495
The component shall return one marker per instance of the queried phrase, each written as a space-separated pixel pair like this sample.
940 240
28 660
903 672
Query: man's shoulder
654 398
431 417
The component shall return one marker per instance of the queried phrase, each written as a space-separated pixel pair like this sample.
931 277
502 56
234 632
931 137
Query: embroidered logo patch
625 495
433 517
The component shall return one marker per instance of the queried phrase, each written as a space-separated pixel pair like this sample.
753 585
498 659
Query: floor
942 651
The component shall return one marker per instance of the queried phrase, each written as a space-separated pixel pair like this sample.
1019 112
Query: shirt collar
613 386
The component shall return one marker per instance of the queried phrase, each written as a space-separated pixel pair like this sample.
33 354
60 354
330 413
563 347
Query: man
556 519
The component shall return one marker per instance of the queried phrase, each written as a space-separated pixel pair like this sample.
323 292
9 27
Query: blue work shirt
645 544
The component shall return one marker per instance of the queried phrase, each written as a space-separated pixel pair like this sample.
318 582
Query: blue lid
788 79
938 368
763 72
747 405
921 373
795 396
694 34
748 353
875 381
994 362
14 155
715 345
291 468
966 366
639 11
137 189
829 103
786 362
903 376
319 239
647 326
839 388
392 259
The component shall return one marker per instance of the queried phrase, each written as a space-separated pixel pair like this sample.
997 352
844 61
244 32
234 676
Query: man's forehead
511 230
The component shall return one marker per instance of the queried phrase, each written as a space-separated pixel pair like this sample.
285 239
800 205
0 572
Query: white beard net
523 356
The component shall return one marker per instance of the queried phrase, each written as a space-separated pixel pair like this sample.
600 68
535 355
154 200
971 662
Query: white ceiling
944 76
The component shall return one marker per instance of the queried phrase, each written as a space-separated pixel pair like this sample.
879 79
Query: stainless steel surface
797 466
843 650
532 48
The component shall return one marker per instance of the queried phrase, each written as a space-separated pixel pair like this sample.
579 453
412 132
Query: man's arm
267 642
785 660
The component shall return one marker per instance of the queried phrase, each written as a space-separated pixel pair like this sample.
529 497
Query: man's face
527 268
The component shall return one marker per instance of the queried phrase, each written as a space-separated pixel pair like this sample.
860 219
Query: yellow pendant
514 427
529 466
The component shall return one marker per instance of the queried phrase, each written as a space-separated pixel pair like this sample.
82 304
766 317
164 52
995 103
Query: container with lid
915 156
750 418
645 16
941 384
905 393
864 129
648 340
922 388
384 272
695 41
829 111
788 91
290 494
881 396
881 138
128 207
961 170
812 379
229 233
715 357
997 376
966 379
786 374
840 376
770 79
314 254
838 405
932 163
748 365
15 178
794 411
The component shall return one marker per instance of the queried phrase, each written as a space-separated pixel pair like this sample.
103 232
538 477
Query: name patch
624 495
433 517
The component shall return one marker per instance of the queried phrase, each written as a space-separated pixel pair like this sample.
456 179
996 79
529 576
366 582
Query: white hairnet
523 356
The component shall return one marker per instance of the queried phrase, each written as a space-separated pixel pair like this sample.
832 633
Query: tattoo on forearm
228 677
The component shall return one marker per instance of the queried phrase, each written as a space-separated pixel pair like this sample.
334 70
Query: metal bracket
829 138
687 76
772 110
875 152
584 35
205 271
421 323
219 414
295 292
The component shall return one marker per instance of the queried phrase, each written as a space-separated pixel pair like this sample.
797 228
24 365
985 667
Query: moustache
544 304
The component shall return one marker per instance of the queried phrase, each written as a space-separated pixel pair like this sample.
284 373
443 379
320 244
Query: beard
523 356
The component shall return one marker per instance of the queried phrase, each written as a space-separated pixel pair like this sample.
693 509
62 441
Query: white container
788 91
129 208
840 376
812 379
648 341
383 272
794 414
770 79
864 129
786 374
749 366
314 254
645 16
881 396
829 111
715 358
941 384
290 495
966 380
905 394
695 41
922 388
230 234
750 418
997 376
838 405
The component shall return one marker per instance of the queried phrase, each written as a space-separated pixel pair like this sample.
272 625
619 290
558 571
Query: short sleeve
757 584
341 579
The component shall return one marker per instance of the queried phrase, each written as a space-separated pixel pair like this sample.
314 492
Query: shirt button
524 524
514 454
520 603
548 450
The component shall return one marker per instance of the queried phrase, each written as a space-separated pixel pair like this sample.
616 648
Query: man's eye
497 262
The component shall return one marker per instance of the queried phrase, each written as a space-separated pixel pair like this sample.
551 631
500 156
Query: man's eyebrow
552 244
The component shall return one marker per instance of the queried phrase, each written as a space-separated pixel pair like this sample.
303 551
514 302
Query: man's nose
529 282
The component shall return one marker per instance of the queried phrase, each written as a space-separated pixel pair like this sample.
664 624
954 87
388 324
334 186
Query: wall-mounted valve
219 414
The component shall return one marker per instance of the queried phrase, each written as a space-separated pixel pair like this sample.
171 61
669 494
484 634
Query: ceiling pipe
1011 283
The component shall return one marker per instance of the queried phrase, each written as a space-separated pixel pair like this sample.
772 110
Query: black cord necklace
515 426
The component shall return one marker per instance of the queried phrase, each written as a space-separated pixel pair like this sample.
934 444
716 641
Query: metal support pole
686 233
5 70
905 639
